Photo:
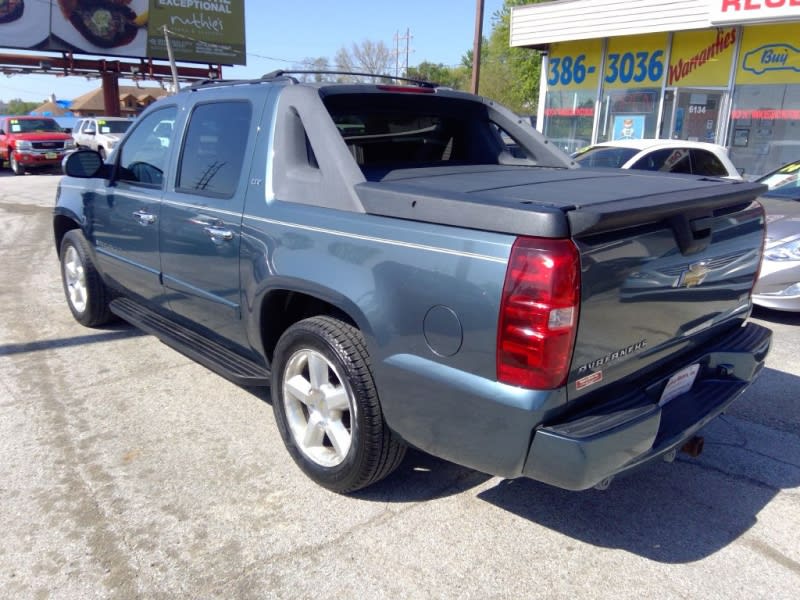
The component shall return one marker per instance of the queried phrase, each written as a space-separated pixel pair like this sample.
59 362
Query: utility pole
397 37
173 67
476 47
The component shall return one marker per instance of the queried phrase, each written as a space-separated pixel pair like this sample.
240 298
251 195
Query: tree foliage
457 78
366 57
20 107
508 75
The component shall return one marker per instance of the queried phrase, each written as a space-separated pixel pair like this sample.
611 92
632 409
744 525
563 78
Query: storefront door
695 115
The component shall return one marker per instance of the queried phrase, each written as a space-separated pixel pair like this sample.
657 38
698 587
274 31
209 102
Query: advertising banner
702 58
769 54
635 61
574 65
208 31
749 11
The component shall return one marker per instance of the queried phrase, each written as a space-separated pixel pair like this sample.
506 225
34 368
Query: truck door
201 219
124 215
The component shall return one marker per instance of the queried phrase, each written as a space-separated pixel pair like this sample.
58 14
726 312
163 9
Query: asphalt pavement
128 471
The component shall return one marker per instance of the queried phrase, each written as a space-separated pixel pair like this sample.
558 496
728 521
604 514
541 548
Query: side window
707 163
668 160
143 158
653 161
88 126
213 151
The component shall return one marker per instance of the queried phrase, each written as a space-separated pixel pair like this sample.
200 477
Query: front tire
15 166
327 408
87 296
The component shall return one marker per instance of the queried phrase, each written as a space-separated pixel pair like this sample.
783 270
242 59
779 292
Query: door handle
218 235
144 217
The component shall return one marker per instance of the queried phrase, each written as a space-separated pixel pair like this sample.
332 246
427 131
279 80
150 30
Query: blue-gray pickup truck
404 265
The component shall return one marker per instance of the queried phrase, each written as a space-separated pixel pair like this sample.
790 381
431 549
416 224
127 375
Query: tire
87 296
15 166
102 152
327 408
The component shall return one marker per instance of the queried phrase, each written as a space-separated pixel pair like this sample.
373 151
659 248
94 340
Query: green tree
453 77
20 107
508 75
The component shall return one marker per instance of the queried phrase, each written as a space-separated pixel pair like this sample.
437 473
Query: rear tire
87 296
327 408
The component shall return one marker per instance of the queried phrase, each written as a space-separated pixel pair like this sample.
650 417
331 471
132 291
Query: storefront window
569 116
628 114
765 127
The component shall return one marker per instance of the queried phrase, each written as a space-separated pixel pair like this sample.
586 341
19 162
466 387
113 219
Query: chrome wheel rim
75 279
319 408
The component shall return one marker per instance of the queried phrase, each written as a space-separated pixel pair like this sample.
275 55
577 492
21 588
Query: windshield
605 156
113 126
33 125
788 176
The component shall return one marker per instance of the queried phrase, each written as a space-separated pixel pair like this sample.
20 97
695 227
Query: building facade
723 71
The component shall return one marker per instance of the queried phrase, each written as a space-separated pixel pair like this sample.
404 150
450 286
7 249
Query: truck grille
49 145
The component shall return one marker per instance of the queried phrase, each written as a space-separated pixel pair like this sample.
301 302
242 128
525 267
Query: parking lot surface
128 471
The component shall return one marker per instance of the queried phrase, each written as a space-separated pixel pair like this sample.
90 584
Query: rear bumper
600 442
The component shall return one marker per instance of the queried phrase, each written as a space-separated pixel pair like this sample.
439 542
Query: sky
281 34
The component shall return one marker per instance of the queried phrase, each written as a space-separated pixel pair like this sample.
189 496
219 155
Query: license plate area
680 383
51 155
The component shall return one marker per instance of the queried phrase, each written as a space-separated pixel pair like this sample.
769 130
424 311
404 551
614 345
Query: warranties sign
753 11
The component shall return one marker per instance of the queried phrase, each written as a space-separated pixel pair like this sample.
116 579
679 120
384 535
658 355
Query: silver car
778 285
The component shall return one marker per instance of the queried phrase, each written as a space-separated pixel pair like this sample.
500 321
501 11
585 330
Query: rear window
407 131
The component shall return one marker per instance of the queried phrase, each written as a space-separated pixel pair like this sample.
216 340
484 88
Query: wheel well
61 225
283 308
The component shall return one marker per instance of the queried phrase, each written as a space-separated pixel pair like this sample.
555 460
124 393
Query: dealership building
724 71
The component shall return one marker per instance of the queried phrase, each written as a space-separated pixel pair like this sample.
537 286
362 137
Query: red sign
569 112
766 113
728 11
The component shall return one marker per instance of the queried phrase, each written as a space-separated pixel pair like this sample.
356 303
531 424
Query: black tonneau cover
546 202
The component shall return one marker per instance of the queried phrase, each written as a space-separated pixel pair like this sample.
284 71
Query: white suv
100 133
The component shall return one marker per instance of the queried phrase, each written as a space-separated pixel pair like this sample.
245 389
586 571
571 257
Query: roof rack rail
281 74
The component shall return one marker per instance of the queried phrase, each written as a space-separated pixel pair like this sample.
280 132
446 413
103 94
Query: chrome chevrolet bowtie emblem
694 276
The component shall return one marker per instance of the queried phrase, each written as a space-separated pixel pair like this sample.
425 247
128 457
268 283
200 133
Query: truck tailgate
657 281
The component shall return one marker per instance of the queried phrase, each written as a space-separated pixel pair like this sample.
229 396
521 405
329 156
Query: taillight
538 313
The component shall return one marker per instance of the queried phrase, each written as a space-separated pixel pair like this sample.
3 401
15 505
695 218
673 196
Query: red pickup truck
32 142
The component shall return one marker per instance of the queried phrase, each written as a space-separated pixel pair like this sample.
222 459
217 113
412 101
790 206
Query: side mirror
84 164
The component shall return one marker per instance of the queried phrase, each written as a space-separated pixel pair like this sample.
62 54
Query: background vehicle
100 133
32 142
666 156
778 285
399 275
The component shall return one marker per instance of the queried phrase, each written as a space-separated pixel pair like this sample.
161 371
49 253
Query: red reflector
413 89
538 313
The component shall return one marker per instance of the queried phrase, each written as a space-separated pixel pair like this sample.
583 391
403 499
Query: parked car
784 178
778 285
100 133
666 156
380 260
28 142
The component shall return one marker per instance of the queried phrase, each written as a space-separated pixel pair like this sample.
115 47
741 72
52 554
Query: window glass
763 129
707 163
213 152
569 116
143 157
628 114
606 156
